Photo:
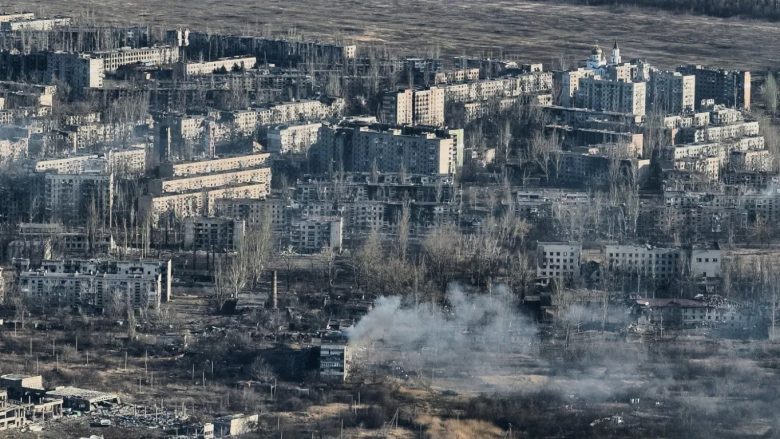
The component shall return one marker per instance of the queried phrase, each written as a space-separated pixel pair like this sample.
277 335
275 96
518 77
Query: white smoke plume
481 343
470 338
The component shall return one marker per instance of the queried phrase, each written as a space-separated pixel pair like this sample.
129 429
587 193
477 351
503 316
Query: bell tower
615 58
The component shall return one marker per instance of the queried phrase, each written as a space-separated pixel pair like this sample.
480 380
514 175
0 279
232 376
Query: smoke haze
480 343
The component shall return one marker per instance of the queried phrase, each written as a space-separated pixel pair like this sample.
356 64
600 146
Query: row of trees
493 252
762 9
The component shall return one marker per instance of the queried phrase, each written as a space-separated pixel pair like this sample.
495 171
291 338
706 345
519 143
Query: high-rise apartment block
361 147
191 189
77 70
71 197
295 139
726 87
414 107
672 92
612 96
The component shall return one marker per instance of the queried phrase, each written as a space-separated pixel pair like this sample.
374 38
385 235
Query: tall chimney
274 294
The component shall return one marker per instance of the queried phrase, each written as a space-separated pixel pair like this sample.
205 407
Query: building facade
414 107
98 284
612 96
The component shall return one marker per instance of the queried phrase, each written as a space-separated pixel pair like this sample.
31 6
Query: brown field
527 31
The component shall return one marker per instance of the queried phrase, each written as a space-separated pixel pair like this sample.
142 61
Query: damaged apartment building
98 285
335 355
192 188
564 261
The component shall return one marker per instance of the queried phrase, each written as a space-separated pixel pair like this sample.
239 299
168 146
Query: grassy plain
525 30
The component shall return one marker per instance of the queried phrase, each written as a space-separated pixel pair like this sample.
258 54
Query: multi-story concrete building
705 261
155 56
40 241
129 161
664 263
69 197
477 109
182 137
644 260
67 165
80 137
98 284
687 313
28 392
312 234
719 133
209 67
209 181
77 70
708 167
256 211
300 111
720 115
174 207
213 234
295 139
764 206
192 188
216 165
350 51
361 147
456 76
414 107
558 260
21 94
752 160
13 16
524 84
335 356
612 96
730 88
13 149
671 92
566 85
594 167
33 24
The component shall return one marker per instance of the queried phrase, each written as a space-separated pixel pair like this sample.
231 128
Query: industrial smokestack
274 294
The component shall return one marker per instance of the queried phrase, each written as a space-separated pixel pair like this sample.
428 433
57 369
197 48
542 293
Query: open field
529 31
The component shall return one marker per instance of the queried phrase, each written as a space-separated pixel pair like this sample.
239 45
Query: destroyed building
335 356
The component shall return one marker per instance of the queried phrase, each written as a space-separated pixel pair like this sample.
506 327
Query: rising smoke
477 342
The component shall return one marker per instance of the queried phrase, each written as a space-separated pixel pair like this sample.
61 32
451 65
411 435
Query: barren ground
529 31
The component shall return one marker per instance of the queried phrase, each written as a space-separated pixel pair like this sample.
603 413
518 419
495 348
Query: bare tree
257 246
769 93
230 277
368 260
403 231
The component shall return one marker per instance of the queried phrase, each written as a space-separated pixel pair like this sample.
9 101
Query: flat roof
75 392
18 376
